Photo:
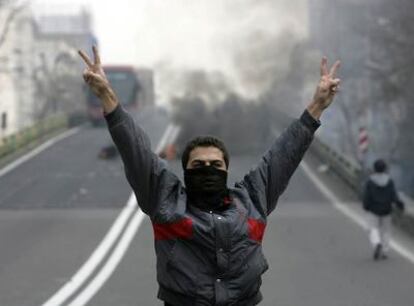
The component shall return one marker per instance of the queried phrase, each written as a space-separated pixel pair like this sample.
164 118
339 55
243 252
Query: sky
183 34
148 31
188 32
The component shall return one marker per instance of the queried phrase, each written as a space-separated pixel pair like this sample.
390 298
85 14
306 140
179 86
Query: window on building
4 121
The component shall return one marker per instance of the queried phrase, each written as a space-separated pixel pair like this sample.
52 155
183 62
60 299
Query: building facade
39 66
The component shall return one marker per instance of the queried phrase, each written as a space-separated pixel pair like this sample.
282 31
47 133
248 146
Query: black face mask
206 186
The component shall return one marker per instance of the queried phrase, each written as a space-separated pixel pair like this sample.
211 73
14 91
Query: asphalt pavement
56 208
317 256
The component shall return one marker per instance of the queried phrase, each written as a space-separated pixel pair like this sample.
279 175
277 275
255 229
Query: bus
134 88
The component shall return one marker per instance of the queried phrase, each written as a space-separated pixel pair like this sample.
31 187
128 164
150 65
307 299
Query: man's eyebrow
208 160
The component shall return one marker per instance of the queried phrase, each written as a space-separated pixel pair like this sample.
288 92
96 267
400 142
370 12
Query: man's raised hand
93 74
328 85
95 77
326 90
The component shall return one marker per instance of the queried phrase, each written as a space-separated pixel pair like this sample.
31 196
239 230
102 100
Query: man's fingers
334 87
94 79
85 58
335 82
96 55
324 66
334 69
89 76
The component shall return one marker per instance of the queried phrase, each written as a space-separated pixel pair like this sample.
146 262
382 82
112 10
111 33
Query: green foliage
32 134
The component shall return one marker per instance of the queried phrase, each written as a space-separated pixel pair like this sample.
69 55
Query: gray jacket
208 257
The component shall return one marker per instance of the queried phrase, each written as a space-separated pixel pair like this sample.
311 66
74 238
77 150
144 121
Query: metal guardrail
32 134
352 174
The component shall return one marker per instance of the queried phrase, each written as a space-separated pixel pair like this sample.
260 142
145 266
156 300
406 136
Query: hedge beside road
33 134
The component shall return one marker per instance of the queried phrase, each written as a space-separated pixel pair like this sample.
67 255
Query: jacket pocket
182 271
250 277
256 267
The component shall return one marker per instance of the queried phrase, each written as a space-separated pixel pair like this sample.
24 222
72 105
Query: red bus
134 88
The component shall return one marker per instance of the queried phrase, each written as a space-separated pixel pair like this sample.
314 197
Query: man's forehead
206 153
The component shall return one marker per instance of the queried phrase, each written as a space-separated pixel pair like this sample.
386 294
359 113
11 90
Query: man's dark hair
204 141
380 166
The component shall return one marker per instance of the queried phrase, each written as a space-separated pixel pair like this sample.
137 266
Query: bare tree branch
9 19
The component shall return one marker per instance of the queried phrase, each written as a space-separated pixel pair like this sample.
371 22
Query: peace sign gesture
325 91
95 77
328 84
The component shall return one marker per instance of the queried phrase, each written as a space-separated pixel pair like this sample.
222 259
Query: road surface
57 207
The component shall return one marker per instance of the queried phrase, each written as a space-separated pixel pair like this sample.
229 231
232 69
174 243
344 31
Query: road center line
115 258
96 258
107 243
93 287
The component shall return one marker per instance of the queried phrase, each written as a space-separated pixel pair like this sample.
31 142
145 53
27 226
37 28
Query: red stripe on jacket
256 229
181 229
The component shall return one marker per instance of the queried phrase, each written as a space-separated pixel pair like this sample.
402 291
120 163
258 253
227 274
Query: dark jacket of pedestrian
380 194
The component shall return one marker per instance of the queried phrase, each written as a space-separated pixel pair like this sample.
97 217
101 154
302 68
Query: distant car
134 88
108 152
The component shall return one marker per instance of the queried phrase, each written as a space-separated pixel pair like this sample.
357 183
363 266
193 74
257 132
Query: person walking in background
378 199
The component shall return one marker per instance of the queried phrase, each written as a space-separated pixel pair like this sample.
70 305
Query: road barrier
351 173
347 170
32 135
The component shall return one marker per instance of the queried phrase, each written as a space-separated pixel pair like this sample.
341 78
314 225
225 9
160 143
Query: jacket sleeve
396 199
269 178
366 197
145 171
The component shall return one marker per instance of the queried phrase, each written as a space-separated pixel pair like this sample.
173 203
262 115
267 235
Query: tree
58 88
15 8
390 68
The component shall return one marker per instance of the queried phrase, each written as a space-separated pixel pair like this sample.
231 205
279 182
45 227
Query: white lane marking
163 141
93 287
13 165
175 134
104 247
115 258
97 256
353 215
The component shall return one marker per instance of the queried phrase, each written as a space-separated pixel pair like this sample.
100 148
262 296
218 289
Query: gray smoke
271 66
